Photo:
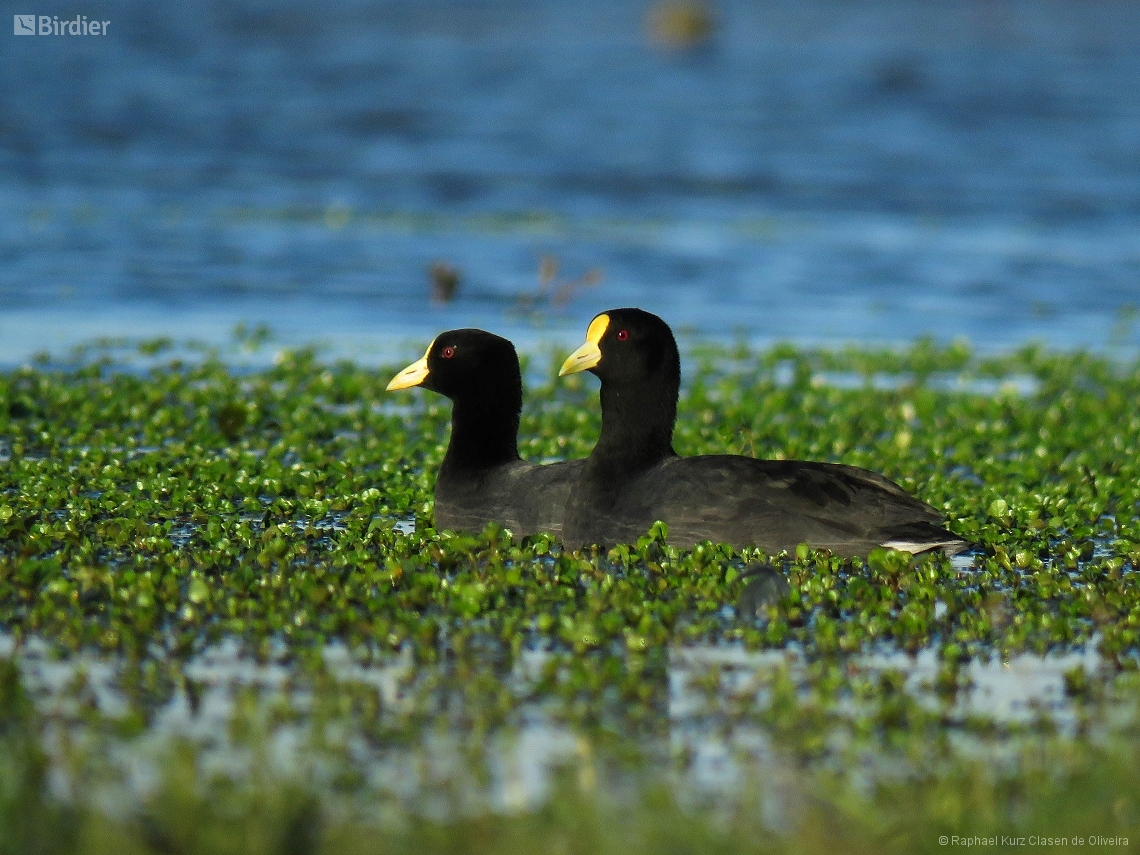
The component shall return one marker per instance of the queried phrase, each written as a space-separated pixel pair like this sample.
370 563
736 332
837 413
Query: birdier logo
51 25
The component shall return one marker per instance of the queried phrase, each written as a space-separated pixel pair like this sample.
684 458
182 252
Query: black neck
484 432
637 425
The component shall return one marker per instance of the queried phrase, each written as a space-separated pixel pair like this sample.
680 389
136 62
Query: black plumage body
633 477
526 498
773 504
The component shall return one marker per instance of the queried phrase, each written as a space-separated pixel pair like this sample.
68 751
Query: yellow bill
590 353
413 375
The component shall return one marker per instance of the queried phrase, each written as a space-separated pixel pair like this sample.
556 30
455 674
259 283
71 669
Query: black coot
482 478
633 477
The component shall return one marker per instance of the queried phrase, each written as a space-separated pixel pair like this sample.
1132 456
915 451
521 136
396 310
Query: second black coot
482 478
633 477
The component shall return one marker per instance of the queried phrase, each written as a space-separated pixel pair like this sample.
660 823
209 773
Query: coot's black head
467 365
628 346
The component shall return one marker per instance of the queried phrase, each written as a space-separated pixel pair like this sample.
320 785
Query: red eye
622 335
448 352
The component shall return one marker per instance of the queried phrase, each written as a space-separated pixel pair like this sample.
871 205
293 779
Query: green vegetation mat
217 633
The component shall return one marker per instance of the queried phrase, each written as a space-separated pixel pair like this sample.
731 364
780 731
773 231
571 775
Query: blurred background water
813 170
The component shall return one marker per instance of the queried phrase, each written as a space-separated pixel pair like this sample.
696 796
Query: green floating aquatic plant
191 502
148 514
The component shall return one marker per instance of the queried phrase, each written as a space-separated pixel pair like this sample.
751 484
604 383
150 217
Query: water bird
482 478
633 477
680 24
445 280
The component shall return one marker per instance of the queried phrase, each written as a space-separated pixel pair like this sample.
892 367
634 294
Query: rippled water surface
817 171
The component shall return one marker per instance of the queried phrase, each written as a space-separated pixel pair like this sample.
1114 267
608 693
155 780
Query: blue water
818 171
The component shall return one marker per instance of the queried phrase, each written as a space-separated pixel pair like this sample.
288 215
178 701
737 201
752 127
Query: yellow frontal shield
590 353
